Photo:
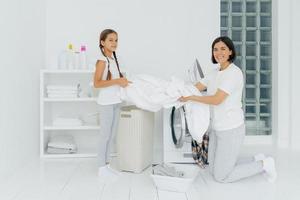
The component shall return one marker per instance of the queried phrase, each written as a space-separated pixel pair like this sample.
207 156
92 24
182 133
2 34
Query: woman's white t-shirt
229 114
109 95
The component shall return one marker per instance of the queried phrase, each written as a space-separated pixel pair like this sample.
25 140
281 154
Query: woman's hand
184 99
123 82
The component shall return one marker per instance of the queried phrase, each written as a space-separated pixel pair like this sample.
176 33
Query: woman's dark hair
103 36
228 43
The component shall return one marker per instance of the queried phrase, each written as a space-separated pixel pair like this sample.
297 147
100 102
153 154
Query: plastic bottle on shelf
77 60
83 57
70 57
66 58
62 60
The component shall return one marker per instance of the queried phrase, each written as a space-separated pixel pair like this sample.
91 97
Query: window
249 24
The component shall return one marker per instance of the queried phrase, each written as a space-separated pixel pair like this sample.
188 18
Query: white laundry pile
152 94
63 91
61 144
197 117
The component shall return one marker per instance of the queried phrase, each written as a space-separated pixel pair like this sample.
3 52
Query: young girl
228 127
109 79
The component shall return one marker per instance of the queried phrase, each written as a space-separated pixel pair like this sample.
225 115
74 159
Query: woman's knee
220 175
220 178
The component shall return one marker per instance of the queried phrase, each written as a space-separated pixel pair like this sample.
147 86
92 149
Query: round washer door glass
178 126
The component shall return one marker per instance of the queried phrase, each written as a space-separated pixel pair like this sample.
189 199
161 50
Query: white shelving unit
71 128
85 136
70 100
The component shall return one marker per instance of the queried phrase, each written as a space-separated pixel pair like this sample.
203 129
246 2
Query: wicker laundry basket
135 139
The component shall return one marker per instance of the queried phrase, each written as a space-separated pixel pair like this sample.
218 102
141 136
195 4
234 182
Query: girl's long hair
103 37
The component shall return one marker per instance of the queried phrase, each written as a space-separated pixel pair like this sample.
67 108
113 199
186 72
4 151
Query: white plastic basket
176 184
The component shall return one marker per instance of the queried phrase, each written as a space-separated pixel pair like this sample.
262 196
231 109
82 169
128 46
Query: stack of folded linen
63 91
62 144
62 121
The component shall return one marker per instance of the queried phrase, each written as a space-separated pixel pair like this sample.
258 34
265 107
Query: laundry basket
177 184
135 139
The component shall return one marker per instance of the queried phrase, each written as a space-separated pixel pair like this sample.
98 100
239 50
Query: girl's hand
184 99
123 82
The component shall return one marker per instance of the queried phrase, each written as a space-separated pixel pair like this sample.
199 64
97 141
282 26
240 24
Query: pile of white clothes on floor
166 170
61 144
63 91
64 121
152 94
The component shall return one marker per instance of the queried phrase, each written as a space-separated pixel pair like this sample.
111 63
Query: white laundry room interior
49 116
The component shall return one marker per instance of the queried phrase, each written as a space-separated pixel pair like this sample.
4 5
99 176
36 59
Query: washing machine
176 137
177 140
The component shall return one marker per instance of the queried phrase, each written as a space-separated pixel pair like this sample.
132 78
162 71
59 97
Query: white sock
269 167
259 157
106 174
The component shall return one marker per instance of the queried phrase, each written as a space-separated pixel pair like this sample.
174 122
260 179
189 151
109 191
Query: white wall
22 55
295 72
282 78
157 37
287 72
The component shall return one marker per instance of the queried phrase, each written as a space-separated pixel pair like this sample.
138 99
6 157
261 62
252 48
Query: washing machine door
178 126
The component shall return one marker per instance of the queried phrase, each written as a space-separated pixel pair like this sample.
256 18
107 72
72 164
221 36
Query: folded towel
63 96
63 92
62 142
63 87
60 121
60 150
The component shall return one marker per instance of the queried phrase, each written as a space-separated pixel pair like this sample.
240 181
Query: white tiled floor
76 179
